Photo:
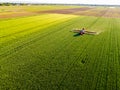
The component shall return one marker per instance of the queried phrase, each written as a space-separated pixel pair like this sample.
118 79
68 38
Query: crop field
38 51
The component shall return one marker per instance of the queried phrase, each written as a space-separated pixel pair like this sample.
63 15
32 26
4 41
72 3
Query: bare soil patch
88 11
67 11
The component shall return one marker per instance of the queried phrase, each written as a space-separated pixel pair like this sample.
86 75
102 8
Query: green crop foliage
40 53
33 8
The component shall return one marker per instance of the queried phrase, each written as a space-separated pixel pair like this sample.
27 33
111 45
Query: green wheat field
38 51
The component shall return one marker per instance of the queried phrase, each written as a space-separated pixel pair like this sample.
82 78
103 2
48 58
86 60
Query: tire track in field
109 86
108 58
30 41
116 65
24 30
16 49
118 39
109 50
98 18
93 24
66 32
99 70
64 40
41 25
47 23
65 77
87 70
98 74
114 57
106 79
54 22
64 47
72 64
70 67
96 70
75 61
118 55
69 42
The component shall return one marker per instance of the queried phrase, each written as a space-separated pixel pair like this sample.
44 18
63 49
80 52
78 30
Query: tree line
11 4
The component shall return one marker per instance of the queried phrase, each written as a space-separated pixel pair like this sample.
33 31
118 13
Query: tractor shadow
76 35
